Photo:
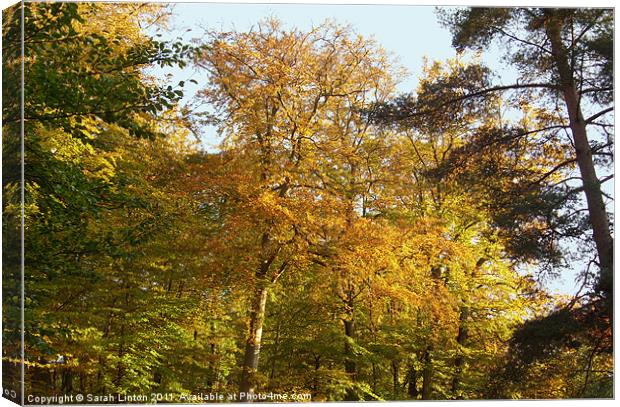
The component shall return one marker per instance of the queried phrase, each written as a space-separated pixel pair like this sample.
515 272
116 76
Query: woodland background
344 240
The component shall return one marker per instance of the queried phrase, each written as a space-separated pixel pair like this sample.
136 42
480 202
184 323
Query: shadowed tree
569 52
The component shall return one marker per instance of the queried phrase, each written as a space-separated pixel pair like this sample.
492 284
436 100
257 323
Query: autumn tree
282 96
88 202
441 178
563 58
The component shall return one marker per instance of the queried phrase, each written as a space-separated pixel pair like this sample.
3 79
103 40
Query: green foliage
69 59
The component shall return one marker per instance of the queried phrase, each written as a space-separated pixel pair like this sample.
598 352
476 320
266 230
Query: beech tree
87 197
282 96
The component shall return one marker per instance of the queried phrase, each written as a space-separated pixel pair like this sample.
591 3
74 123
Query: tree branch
599 114
483 92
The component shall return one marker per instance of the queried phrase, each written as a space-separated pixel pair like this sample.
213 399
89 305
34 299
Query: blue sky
410 33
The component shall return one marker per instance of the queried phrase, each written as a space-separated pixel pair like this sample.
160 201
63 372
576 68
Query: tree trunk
395 379
252 346
120 367
274 357
459 360
591 184
66 385
269 252
427 375
412 380
315 379
375 377
349 358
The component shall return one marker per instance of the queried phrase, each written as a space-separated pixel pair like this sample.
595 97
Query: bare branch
599 114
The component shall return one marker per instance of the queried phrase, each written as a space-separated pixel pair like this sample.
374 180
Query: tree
72 56
470 169
89 207
283 97
569 52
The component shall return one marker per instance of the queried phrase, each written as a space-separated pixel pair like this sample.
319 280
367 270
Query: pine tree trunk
591 184
252 346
